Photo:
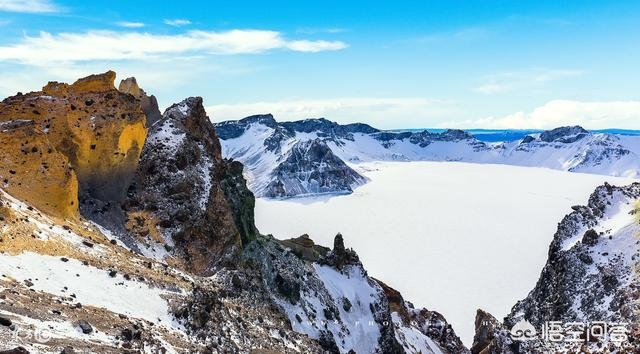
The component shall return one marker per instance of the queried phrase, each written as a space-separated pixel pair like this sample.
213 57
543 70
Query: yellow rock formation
32 170
95 128
96 83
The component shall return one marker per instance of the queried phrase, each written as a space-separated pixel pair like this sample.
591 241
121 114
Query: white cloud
28 6
47 48
522 79
381 112
177 22
591 115
315 46
128 24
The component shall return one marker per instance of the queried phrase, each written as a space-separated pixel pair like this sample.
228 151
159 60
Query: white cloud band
48 48
591 115
28 6
177 22
128 24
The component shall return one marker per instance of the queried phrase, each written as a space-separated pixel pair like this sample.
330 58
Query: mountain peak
264 119
567 134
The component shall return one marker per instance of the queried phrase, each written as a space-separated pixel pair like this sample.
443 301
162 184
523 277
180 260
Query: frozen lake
452 237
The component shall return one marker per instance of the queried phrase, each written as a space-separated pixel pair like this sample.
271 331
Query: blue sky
395 64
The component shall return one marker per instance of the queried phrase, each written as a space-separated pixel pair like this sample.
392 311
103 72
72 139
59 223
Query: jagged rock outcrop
339 257
240 199
411 323
491 337
186 198
98 129
148 103
311 168
591 273
342 307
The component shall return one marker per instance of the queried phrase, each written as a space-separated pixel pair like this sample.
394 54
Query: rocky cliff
27 151
162 254
590 281
90 127
186 200
149 104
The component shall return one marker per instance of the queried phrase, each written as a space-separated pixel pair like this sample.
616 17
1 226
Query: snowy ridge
413 339
263 145
355 329
335 302
591 273
590 276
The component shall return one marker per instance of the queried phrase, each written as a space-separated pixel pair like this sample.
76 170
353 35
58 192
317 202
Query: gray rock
85 327
564 134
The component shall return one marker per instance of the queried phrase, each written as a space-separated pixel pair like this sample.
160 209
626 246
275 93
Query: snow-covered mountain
271 152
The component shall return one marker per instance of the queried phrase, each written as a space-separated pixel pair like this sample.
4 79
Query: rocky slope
266 147
312 168
591 276
120 237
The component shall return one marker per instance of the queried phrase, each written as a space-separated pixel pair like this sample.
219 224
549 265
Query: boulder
305 248
85 327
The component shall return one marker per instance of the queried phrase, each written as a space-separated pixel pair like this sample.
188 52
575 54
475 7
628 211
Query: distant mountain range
496 135
316 156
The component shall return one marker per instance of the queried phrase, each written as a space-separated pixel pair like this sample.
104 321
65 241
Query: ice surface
451 236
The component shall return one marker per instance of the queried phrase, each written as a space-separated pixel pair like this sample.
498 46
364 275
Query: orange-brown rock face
149 103
32 170
98 128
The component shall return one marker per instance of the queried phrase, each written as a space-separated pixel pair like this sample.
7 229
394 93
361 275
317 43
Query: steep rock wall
99 130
